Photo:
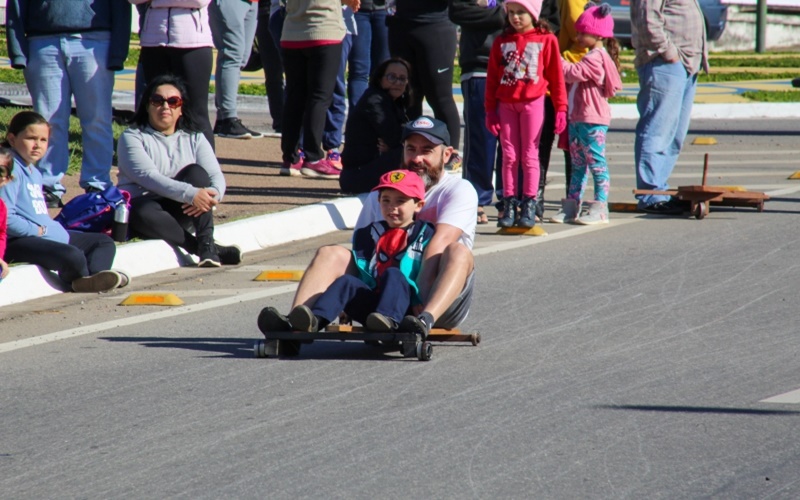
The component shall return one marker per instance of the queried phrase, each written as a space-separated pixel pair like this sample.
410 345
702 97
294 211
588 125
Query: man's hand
203 201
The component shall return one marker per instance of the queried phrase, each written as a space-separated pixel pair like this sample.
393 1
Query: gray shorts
459 309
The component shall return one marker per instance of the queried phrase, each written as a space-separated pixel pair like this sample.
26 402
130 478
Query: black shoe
270 320
233 128
53 200
377 322
208 255
229 256
303 320
669 207
509 217
526 213
419 325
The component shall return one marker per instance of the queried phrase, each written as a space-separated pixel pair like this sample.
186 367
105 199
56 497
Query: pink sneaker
291 169
320 170
334 158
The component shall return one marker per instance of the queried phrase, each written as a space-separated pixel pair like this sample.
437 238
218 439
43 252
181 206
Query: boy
388 254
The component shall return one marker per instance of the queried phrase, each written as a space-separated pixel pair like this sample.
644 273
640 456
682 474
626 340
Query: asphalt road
634 360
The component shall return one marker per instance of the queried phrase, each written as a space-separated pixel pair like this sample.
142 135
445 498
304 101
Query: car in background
714 12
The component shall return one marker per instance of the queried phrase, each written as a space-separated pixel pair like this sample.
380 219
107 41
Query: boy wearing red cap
388 254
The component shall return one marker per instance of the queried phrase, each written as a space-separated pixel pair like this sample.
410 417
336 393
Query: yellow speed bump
704 141
280 275
534 231
795 176
151 299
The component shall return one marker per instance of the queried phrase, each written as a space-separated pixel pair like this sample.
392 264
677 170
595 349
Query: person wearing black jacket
374 128
481 21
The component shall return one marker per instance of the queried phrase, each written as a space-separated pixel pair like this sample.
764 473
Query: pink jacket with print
590 82
175 23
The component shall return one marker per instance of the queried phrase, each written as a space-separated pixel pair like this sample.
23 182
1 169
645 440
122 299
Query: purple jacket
175 23
590 82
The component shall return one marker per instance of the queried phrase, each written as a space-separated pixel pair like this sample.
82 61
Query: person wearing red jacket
523 65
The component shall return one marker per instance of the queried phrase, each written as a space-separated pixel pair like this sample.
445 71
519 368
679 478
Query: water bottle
391 7
119 230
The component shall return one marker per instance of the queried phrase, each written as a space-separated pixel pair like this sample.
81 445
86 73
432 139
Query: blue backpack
93 212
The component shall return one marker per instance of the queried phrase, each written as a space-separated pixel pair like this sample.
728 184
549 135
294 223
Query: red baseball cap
405 181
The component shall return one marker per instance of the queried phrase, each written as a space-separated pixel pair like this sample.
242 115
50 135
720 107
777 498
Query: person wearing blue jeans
67 52
270 52
370 47
233 28
334 119
670 41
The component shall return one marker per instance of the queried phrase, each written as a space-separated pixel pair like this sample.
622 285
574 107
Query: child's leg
395 294
531 118
580 159
99 250
596 151
347 293
66 260
509 140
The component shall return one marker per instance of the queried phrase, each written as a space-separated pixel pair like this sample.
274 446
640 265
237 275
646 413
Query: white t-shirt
451 201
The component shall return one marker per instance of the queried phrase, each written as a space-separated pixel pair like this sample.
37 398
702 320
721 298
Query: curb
29 282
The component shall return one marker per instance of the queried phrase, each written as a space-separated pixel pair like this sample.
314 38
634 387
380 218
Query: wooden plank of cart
288 343
701 197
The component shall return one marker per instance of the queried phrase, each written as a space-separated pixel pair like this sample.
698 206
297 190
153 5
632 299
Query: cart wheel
700 211
476 338
258 349
424 351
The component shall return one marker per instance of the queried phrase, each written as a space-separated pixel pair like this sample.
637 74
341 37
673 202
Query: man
233 28
447 274
670 41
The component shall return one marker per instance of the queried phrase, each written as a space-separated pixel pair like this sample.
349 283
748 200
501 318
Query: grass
75 146
772 96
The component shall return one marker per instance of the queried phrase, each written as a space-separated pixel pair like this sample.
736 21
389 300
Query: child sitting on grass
388 255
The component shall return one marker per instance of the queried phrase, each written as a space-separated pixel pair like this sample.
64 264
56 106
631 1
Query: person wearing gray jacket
172 174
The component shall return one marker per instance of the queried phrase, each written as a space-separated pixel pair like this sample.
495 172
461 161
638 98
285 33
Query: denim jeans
334 120
233 27
61 67
482 154
370 48
665 105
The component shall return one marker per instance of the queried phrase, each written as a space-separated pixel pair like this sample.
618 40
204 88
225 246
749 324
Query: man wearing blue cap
446 277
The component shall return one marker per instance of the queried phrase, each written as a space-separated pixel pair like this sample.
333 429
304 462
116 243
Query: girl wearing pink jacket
590 82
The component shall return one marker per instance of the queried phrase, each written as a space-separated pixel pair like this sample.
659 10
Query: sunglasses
5 172
392 78
173 102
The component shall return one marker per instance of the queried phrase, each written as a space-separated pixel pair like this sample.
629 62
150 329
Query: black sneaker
102 281
208 255
233 129
303 320
53 200
377 322
229 256
270 320
672 206
413 324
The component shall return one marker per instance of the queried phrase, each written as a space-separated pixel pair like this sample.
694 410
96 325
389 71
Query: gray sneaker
597 214
568 212
102 281
303 320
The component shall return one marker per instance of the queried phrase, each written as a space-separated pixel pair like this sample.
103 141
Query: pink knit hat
596 20
534 7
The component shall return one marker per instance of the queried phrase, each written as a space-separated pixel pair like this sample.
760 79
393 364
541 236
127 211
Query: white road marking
791 397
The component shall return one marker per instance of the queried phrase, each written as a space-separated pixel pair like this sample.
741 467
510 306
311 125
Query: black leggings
310 80
163 219
362 179
431 50
85 254
193 66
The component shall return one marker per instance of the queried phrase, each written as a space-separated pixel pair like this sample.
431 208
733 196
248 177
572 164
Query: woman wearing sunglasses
374 128
174 178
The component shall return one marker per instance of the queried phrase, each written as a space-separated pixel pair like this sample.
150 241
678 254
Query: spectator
370 47
65 52
176 39
670 41
311 43
421 33
446 279
233 28
388 254
82 260
270 51
523 65
337 111
169 168
591 82
375 127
